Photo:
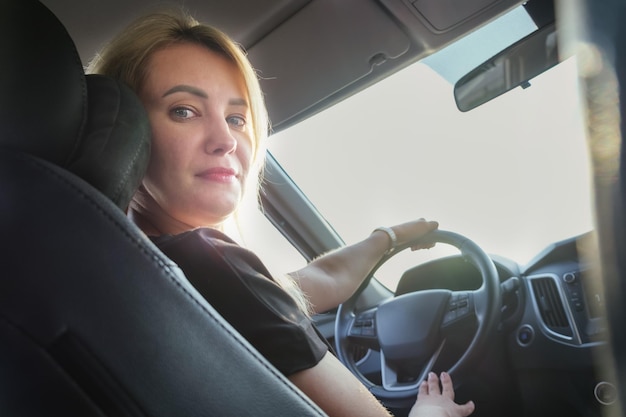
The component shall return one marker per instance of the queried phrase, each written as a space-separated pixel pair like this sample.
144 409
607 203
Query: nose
219 138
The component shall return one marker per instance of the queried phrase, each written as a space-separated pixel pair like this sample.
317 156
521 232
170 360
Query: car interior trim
575 338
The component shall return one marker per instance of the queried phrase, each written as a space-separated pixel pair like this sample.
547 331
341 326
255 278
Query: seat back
94 319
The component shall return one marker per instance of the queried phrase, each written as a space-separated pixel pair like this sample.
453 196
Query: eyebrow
238 102
201 93
187 89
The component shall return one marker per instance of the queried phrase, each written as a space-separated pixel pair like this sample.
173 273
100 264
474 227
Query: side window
258 234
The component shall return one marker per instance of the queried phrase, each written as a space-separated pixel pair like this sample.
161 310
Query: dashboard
555 295
551 333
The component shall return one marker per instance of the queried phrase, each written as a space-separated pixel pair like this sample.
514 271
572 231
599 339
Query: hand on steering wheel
411 330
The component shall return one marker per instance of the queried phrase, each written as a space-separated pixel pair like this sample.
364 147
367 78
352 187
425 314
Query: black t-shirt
237 284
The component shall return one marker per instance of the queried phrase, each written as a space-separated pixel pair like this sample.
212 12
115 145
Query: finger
426 225
433 383
467 408
447 389
423 227
423 246
413 230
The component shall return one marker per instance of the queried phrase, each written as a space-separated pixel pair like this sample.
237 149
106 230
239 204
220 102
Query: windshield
512 175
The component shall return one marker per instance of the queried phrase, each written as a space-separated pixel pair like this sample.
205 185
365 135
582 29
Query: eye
236 121
182 113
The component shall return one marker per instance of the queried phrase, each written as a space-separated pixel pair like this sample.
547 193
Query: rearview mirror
512 67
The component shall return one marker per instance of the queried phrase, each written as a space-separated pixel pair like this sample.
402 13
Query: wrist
391 235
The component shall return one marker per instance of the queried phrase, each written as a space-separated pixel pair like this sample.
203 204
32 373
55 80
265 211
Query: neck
154 221
144 223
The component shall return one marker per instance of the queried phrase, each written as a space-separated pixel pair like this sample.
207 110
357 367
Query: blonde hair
126 58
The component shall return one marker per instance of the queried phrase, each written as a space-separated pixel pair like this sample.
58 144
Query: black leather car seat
94 320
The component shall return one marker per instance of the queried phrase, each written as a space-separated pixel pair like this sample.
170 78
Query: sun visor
298 71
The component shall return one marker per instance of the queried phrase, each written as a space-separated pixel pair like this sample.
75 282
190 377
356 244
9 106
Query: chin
215 216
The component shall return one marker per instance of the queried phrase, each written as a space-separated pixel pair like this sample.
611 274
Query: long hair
126 58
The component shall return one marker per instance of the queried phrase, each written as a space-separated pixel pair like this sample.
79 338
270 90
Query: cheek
251 169
166 155
160 148
244 155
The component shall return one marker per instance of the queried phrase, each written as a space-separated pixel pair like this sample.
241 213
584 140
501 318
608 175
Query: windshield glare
512 175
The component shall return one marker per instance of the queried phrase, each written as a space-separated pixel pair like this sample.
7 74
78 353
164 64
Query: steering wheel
411 330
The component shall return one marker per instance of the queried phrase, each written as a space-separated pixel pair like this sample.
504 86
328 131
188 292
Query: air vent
551 306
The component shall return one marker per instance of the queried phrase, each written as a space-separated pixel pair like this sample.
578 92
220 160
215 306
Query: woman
209 127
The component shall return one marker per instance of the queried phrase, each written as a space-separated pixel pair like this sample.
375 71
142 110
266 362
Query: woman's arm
330 279
336 391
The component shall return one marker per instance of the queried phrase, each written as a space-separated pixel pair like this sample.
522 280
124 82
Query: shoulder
219 267
238 285
207 246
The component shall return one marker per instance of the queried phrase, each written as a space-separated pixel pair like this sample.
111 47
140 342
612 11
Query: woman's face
201 138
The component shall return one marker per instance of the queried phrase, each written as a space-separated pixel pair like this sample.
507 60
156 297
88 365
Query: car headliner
310 54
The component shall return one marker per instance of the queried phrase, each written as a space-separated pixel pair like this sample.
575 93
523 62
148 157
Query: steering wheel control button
458 307
364 326
525 335
449 317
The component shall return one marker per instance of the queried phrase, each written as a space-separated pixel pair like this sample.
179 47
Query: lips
218 174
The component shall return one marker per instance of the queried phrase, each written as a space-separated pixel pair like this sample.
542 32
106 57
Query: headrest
93 126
